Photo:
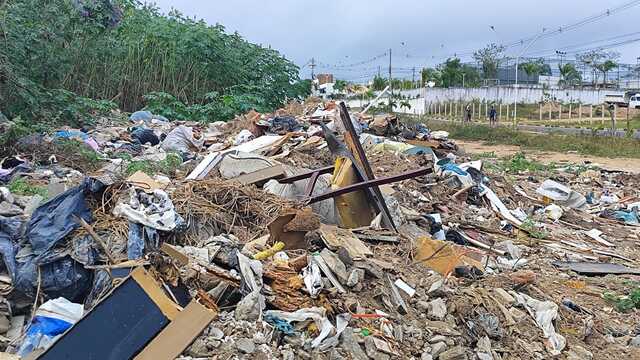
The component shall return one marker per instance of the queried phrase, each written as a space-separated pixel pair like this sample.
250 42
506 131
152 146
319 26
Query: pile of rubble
313 232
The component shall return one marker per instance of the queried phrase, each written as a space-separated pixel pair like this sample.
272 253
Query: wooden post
602 118
580 112
590 114
613 119
473 110
540 112
500 113
628 124
507 119
486 110
569 111
550 109
560 114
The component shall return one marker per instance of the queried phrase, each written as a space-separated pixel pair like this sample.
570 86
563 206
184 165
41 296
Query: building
324 78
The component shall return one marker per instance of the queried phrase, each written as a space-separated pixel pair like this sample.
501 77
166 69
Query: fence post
507 119
580 113
602 113
591 114
473 110
540 112
550 111
569 111
486 110
500 113
560 114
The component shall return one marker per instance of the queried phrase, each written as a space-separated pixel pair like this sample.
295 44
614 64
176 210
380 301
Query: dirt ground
547 157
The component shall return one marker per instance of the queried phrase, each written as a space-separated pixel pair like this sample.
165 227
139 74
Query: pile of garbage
313 232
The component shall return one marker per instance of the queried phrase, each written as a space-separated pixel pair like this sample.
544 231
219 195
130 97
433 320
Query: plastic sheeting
9 235
544 312
153 210
54 220
318 315
51 319
181 139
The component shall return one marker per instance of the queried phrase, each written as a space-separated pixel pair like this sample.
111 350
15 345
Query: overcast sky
419 32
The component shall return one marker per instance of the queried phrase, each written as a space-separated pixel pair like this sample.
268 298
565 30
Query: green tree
605 67
340 85
599 61
454 73
569 75
379 83
535 67
490 59
431 75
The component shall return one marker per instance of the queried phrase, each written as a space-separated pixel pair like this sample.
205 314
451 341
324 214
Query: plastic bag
51 319
55 219
181 139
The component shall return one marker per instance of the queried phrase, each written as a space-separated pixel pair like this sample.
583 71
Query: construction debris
312 232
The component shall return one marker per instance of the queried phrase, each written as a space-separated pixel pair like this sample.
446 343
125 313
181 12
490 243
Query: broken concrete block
355 277
437 349
246 346
335 264
5 195
437 309
8 209
455 353
504 297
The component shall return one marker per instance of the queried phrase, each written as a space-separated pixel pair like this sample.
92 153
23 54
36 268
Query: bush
57 56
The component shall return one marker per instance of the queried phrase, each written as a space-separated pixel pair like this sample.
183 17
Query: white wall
507 94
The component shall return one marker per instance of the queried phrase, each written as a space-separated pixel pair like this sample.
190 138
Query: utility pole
413 77
313 66
638 70
561 54
390 84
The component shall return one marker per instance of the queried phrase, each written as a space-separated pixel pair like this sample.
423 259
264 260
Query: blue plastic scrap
629 217
280 324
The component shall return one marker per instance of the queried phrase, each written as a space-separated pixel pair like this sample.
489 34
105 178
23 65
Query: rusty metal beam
369 184
353 142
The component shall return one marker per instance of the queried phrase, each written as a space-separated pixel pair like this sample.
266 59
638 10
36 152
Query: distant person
493 116
467 113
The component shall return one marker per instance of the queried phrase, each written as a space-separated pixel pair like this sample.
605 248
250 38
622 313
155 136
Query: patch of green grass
487 155
19 186
519 163
168 166
583 144
530 226
624 303
76 147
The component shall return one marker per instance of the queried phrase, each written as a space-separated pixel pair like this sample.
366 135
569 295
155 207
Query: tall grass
587 145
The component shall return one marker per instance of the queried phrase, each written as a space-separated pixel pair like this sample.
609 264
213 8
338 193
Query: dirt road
547 157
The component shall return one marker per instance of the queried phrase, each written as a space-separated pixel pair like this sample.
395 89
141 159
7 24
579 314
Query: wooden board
261 176
335 238
179 334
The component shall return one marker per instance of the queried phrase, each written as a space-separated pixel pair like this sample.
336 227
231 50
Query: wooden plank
175 254
335 238
262 175
179 334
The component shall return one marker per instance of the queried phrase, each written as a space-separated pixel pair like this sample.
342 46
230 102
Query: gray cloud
344 32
